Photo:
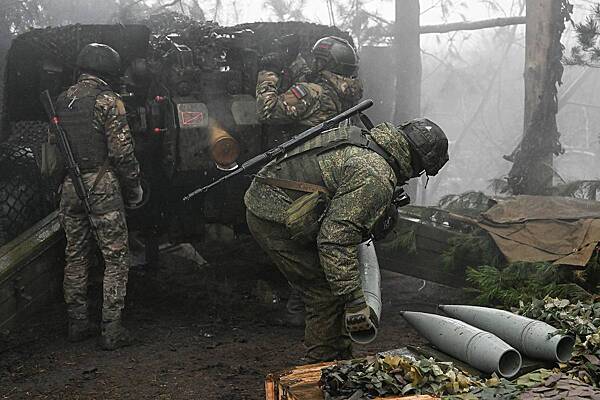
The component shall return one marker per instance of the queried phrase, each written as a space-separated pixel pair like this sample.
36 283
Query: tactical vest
302 163
77 119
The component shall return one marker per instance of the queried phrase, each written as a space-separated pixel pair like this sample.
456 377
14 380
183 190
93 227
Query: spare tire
23 199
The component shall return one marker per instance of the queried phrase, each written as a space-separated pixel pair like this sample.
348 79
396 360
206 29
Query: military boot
295 312
79 329
114 336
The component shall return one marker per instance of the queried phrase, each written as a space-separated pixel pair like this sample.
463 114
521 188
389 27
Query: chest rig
298 170
77 116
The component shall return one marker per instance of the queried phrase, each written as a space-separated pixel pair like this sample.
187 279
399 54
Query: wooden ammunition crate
302 383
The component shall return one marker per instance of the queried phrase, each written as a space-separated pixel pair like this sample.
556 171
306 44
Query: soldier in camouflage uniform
355 173
93 116
309 99
331 88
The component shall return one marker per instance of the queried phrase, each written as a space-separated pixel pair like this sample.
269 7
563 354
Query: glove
135 196
359 316
386 223
272 62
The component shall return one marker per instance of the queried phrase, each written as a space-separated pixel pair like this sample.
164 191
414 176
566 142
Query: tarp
561 230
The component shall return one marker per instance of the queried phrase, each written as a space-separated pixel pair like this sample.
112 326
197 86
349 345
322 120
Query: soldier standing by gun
93 117
288 108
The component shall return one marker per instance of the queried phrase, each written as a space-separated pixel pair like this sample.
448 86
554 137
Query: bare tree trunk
532 171
407 56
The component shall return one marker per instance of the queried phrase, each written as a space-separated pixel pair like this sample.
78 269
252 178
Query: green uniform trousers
325 336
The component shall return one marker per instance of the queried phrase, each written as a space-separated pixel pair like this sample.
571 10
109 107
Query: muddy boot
79 330
295 312
114 336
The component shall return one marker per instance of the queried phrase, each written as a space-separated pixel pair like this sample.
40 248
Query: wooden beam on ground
473 25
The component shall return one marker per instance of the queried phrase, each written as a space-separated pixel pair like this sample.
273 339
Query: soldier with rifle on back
311 207
90 124
314 95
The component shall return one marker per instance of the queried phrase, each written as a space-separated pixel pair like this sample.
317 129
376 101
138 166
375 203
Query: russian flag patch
299 91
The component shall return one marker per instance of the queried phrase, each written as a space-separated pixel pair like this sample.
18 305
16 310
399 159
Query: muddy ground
203 332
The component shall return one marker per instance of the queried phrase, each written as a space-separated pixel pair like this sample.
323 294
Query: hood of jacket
349 90
392 140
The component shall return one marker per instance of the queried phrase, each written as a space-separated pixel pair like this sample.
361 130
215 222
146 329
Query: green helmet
99 58
336 55
429 144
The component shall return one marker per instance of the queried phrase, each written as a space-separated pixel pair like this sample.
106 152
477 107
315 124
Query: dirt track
207 332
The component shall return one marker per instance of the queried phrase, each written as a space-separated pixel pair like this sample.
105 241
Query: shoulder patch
299 91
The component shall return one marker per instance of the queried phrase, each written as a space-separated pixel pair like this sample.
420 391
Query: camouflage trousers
324 337
110 237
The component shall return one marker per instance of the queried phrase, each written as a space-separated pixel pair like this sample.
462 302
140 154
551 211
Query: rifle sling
293 185
101 173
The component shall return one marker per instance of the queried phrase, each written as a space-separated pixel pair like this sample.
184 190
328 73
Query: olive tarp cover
560 230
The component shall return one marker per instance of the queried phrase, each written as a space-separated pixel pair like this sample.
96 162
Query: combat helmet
335 54
429 144
99 58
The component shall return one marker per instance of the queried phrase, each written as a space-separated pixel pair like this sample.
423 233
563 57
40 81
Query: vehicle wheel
22 197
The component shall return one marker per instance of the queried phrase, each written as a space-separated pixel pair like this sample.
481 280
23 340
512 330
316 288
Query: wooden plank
30 270
30 244
302 383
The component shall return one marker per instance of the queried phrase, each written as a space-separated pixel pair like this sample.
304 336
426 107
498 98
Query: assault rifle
67 153
295 141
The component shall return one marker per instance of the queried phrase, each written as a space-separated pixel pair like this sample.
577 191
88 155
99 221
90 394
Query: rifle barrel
297 140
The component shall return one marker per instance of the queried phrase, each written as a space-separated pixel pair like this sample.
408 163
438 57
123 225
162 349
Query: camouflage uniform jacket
110 119
361 184
306 103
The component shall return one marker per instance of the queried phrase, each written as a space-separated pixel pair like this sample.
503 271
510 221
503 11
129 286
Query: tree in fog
285 10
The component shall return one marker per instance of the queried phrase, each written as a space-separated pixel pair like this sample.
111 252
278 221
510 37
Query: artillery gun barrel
535 339
469 344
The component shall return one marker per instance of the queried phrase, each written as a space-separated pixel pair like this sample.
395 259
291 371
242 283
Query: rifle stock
297 140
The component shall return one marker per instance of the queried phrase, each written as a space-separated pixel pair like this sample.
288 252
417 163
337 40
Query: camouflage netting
392 375
580 319
382 376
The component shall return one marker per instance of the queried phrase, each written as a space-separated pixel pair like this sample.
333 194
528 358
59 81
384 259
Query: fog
472 81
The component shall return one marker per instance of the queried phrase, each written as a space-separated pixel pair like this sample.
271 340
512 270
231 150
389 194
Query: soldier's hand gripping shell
359 316
134 197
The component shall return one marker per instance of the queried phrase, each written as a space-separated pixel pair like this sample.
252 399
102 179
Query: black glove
386 223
